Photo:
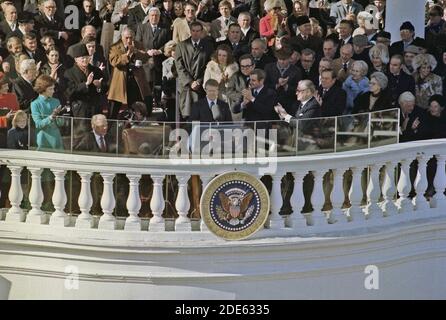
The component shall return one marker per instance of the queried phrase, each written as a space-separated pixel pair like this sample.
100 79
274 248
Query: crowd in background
208 60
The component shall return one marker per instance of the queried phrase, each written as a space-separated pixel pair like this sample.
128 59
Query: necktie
102 144
227 21
155 29
345 67
212 104
324 92
195 45
348 9
255 93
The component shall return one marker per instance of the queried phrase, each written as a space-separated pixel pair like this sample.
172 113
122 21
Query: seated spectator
331 96
413 125
15 49
379 56
426 82
136 115
219 26
377 98
18 134
7 99
356 83
361 48
399 81
98 139
44 111
436 118
168 84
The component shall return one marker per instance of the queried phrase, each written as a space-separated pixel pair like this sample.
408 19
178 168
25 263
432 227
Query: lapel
198 50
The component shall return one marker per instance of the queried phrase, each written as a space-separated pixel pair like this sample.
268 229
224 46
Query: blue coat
48 134
354 89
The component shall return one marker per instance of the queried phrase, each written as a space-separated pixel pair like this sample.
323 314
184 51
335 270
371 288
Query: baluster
389 208
355 195
107 220
15 195
372 209
275 219
133 222
403 203
439 199
157 205
204 182
318 199
59 217
36 215
85 220
419 201
337 197
297 220
182 204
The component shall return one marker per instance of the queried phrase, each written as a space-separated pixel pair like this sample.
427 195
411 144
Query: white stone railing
388 200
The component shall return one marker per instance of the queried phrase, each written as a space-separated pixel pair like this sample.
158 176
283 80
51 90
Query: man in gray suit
345 9
191 58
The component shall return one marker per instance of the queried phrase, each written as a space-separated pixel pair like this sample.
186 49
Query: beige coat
181 30
213 71
119 61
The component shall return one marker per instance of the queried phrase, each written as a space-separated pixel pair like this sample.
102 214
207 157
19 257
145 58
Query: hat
79 50
407 26
301 20
413 49
360 40
423 59
384 34
25 17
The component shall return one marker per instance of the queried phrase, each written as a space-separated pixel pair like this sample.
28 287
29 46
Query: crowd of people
208 60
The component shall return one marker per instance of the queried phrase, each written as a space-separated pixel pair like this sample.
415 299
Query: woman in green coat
44 111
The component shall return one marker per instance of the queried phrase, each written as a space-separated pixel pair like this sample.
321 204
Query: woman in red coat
273 22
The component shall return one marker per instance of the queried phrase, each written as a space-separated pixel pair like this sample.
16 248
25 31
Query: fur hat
423 59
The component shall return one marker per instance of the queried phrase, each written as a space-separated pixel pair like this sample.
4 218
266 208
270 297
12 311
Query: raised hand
90 78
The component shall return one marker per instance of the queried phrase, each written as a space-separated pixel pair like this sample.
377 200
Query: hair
20 114
169 47
225 3
188 4
234 25
261 75
244 14
406 97
196 24
47 52
88 39
246 56
309 85
382 79
26 65
84 28
283 54
97 117
155 9
332 40
211 83
43 82
438 9
307 52
439 99
228 50
362 65
43 39
380 50
128 30
259 41
350 23
398 57
325 59
139 106
332 73
13 40
29 36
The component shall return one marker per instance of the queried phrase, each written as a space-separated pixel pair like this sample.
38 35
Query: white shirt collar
245 31
146 10
209 101
305 102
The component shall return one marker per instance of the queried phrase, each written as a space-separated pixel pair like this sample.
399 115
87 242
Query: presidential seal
235 205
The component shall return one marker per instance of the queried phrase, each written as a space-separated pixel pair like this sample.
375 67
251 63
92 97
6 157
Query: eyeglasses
246 66
301 90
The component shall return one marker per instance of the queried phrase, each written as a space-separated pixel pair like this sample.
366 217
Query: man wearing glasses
47 23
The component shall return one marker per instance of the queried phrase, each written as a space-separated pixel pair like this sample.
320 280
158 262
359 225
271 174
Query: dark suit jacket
87 100
334 101
202 112
136 16
5 29
397 85
264 60
88 143
149 40
285 97
250 35
191 63
312 75
251 6
241 48
398 46
313 42
422 132
310 110
362 102
262 109
25 93
43 26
